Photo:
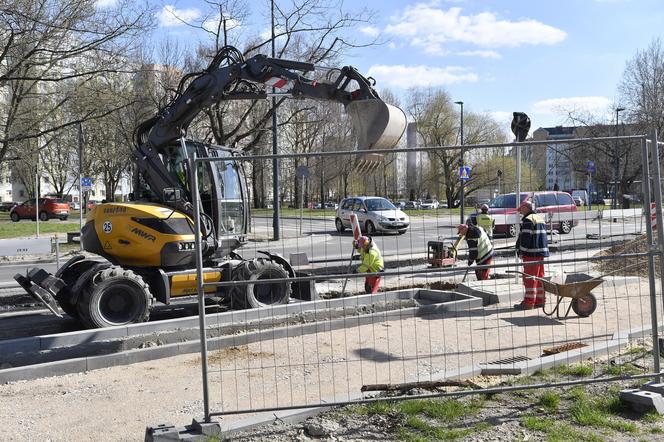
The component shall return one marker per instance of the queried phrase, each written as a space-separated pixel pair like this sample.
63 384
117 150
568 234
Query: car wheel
339 225
511 232
370 228
401 232
14 216
43 216
64 218
565 227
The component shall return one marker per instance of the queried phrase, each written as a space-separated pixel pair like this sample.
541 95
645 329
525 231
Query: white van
581 194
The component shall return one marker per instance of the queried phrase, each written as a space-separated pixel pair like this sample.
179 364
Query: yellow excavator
148 244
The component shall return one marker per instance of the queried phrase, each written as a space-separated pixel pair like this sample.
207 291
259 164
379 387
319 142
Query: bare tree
642 87
438 125
46 42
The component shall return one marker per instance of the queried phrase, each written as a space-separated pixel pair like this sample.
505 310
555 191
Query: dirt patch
631 266
231 353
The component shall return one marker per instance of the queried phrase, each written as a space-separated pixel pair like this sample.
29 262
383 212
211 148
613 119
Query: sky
545 58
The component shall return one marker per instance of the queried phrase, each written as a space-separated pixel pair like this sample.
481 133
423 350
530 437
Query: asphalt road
322 243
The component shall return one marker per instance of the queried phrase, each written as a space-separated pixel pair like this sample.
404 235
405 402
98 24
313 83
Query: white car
375 214
429 204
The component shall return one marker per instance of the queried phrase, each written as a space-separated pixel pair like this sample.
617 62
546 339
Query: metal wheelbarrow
577 287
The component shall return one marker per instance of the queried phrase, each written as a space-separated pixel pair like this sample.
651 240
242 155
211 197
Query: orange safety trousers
484 274
371 284
534 295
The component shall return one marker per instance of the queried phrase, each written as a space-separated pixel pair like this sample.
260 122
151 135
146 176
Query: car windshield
377 204
505 201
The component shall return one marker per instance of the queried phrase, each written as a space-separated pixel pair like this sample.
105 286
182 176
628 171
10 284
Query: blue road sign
590 166
86 183
464 173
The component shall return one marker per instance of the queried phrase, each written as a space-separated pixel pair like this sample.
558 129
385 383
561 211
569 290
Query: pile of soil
632 266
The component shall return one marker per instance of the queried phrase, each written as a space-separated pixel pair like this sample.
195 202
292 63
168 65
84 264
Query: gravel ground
556 414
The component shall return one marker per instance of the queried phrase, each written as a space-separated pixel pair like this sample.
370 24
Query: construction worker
532 247
372 262
486 221
480 249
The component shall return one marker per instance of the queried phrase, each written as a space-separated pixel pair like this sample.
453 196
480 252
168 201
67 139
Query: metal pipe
275 151
427 271
658 206
651 259
503 389
193 178
346 152
462 193
80 184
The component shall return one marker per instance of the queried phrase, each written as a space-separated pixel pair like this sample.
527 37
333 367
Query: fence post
651 261
57 252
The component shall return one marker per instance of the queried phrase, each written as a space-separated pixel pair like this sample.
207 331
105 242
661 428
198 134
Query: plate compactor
443 253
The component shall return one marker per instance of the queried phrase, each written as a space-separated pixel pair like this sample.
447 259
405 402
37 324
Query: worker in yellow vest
372 262
486 221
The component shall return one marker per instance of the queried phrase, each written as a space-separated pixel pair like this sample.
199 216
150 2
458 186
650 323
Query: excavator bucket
378 125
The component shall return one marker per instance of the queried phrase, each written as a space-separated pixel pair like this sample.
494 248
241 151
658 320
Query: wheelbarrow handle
527 275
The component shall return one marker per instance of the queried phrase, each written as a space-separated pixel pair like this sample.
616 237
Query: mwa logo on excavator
142 234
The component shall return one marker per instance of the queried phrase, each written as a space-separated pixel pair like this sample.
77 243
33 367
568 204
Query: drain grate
512 360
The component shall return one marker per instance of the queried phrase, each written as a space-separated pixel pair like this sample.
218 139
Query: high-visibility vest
372 261
485 221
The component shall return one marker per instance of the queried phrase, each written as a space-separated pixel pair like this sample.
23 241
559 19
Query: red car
48 208
545 202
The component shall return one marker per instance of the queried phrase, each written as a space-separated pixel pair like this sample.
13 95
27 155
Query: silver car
374 214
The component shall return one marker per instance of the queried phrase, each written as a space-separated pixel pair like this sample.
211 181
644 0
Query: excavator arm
230 77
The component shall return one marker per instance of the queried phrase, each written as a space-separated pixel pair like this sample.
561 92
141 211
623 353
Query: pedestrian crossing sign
464 173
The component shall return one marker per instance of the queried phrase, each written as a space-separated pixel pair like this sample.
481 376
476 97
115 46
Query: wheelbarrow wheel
585 305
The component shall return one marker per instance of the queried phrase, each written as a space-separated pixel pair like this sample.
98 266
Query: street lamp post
275 161
616 173
461 164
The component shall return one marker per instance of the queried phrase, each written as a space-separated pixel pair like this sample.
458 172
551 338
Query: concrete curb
441 302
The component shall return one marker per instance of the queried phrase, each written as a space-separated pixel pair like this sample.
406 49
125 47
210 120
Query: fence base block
643 401
197 431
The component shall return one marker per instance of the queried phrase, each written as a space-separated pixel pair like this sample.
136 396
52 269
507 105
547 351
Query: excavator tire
259 295
114 296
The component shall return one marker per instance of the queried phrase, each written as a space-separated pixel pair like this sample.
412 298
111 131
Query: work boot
523 306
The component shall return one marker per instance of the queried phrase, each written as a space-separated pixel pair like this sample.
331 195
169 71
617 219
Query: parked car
545 202
578 200
375 214
412 205
7 206
429 204
74 205
331 205
91 204
48 208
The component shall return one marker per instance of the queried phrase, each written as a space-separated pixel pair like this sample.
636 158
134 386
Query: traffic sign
86 183
590 166
464 173
302 171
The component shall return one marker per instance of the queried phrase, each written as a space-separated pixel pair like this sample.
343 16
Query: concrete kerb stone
143 354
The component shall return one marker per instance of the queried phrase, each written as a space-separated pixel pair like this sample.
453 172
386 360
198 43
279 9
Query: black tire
259 295
70 275
43 216
401 232
114 296
64 218
339 225
14 216
511 230
565 227
370 229
584 306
